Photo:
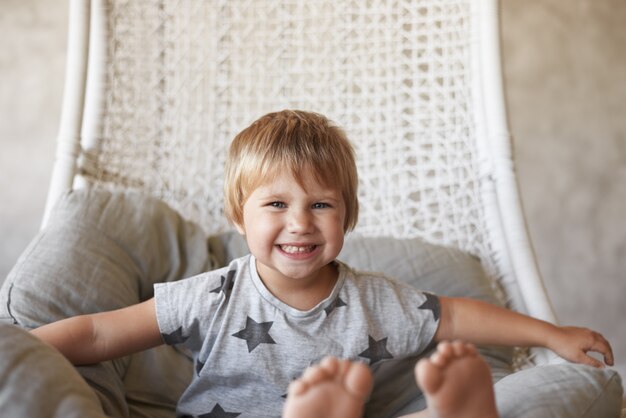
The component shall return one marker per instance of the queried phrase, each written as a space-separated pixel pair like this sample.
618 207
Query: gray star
432 304
255 333
337 303
376 351
218 412
175 337
227 283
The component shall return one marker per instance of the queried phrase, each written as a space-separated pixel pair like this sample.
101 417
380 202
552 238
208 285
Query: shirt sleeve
421 315
183 306
406 317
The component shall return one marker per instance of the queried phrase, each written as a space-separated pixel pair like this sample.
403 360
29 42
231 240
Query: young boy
255 325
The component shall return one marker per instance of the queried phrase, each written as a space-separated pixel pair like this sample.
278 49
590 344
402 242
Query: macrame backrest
169 83
183 77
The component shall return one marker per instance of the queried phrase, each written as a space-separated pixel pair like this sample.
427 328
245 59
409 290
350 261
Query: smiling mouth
298 249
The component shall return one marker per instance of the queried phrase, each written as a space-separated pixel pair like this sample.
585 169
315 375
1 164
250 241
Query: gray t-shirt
247 345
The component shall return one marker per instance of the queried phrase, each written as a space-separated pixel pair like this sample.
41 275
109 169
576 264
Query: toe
314 374
358 380
438 359
330 365
429 376
445 348
297 387
470 349
459 349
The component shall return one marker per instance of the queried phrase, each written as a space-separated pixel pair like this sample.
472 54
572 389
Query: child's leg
333 389
457 383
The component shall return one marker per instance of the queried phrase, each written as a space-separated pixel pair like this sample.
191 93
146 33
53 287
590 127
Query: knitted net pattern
184 76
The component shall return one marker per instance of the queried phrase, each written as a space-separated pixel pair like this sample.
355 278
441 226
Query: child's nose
300 221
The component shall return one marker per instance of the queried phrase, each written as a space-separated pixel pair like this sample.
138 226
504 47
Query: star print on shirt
432 304
218 412
255 333
227 284
376 351
337 303
175 337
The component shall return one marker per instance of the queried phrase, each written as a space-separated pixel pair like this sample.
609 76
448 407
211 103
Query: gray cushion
560 391
37 381
553 391
101 251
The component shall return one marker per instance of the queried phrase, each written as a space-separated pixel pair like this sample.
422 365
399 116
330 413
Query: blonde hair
295 141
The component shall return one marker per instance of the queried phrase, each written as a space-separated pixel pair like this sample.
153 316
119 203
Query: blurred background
565 76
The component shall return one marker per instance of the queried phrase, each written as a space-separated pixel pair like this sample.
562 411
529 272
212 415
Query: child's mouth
297 249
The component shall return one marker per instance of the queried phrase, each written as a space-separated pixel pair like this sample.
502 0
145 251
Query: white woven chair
156 89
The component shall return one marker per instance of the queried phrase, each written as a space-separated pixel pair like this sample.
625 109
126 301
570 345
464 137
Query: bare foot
457 383
333 389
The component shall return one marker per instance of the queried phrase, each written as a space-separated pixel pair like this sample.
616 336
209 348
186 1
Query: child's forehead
285 181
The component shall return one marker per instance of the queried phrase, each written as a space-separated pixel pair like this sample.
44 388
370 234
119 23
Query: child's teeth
292 249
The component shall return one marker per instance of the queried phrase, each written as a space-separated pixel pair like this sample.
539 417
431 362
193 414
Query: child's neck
304 295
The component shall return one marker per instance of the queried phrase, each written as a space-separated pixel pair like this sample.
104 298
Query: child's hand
573 343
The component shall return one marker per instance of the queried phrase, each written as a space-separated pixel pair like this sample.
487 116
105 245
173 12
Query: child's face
294 233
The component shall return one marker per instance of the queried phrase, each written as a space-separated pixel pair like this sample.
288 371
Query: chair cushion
37 381
560 391
104 250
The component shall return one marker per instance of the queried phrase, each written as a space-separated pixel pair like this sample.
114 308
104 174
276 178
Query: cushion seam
11 279
599 395
9 304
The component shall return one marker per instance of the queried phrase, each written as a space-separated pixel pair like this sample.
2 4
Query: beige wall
565 69
33 37
566 78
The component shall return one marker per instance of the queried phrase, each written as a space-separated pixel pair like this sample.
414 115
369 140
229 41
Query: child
255 325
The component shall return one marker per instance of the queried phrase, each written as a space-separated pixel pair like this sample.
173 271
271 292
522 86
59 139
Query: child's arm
89 339
481 323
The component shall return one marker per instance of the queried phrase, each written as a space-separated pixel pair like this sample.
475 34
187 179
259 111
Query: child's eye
320 205
279 205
